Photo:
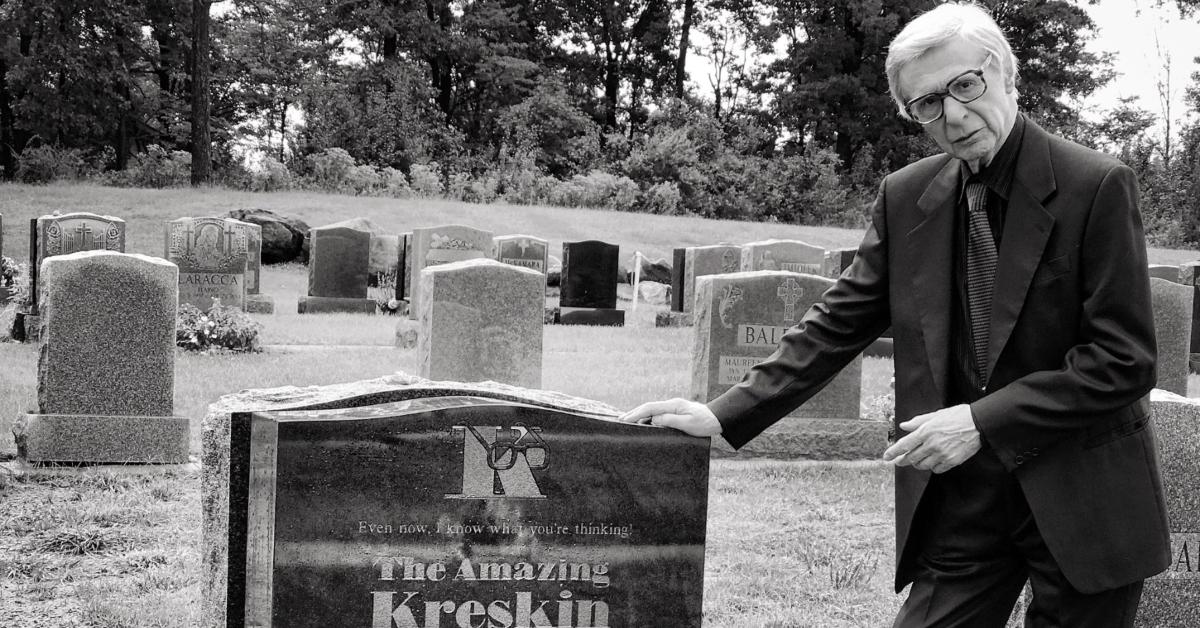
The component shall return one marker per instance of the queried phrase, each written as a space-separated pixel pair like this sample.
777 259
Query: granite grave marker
212 255
481 320
107 363
1172 305
441 245
701 261
256 301
678 263
337 271
589 284
1189 275
1163 271
521 250
62 234
739 321
789 255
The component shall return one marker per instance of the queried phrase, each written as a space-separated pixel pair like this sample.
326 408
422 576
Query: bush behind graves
47 163
221 327
155 168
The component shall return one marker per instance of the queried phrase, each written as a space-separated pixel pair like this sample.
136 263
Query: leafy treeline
561 101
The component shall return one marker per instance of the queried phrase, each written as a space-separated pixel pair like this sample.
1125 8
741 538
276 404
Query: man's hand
939 441
689 417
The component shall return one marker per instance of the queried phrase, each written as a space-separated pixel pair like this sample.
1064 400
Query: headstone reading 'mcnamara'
462 510
740 319
521 250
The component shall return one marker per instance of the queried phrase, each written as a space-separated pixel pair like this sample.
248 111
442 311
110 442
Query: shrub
44 164
221 327
597 189
330 168
362 180
156 168
529 187
662 198
426 179
271 176
394 183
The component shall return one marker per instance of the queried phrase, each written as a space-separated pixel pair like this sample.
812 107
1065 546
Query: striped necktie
981 273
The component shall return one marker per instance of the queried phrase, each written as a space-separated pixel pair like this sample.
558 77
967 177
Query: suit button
1034 451
1020 459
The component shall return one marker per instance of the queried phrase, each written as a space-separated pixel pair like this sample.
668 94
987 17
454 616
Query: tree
201 73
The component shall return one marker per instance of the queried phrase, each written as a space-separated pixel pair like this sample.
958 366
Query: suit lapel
930 251
1027 227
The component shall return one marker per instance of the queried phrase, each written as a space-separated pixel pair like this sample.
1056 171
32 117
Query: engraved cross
82 233
790 292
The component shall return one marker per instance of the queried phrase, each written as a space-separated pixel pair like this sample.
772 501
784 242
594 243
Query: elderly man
1012 269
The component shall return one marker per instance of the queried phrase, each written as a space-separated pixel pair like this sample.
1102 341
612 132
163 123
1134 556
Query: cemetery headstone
1170 599
740 319
213 258
1172 305
702 261
403 266
522 250
678 262
107 363
337 272
1163 271
487 486
837 261
441 245
62 234
481 320
5 290
256 301
1189 275
789 255
589 284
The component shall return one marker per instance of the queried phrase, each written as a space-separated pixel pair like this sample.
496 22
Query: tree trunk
689 7
283 129
201 71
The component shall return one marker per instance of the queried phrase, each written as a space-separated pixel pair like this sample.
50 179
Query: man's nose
953 110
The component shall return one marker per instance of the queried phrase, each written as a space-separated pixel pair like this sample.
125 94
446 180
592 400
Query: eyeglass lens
964 89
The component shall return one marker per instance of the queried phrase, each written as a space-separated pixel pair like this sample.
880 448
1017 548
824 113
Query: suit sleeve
852 314
1112 365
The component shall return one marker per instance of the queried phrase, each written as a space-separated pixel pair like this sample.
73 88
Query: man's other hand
938 441
689 417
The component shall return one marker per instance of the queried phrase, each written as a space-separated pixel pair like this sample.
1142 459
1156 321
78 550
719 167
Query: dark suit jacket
1071 360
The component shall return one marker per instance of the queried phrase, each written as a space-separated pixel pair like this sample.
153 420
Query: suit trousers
977 544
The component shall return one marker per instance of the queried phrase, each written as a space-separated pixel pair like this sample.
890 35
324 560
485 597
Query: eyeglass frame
946 92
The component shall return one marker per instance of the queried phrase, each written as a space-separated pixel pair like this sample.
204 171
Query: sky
1129 28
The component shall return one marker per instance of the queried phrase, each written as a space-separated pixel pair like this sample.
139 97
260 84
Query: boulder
658 270
284 239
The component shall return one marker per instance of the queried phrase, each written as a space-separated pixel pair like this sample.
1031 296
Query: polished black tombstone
678 261
589 274
464 511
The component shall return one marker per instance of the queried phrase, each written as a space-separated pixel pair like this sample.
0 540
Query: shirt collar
998 174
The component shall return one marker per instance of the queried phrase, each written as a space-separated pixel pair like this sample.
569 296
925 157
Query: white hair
941 25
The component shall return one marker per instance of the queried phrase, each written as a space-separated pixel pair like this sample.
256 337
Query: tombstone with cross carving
212 255
739 320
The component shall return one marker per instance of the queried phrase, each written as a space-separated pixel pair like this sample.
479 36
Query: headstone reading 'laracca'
1170 599
1172 306
588 293
107 364
481 320
740 320
707 260
790 255
441 245
337 271
475 510
521 250
212 255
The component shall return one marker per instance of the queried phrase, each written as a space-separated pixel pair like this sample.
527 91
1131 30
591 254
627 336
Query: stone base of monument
111 439
330 305
407 333
672 318
1194 362
5 295
813 439
550 316
610 317
26 327
259 304
881 348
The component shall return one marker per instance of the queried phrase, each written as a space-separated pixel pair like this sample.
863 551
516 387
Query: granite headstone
337 271
256 301
837 261
62 234
1172 305
213 256
739 321
617 483
107 364
701 261
441 245
481 320
1170 599
589 284
1163 271
1189 275
789 255
678 262
521 250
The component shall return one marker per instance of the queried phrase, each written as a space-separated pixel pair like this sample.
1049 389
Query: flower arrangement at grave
384 296
221 328
10 271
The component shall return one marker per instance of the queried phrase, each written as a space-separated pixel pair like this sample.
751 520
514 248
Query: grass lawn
789 543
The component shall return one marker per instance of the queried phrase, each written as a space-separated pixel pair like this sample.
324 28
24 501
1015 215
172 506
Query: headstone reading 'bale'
702 261
589 284
1172 305
740 319
337 272
1170 599
212 255
107 365
487 489
441 245
790 255
481 320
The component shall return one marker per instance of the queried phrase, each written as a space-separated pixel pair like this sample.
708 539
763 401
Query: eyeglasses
964 88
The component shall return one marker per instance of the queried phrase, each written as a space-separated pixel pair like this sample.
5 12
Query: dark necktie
981 273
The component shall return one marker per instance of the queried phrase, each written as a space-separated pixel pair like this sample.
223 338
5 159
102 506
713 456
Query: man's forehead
931 71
